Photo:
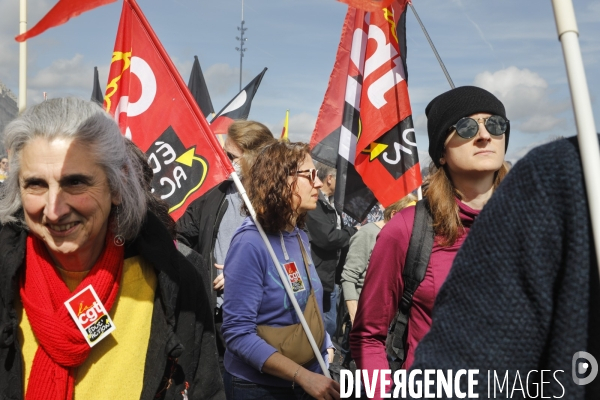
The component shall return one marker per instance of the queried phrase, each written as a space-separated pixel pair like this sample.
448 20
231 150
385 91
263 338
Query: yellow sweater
115 366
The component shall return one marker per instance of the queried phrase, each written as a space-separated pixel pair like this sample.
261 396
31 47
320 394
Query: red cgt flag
63 11
155 109
368 5
364 127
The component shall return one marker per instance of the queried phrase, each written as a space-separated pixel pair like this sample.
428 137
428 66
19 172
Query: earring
442 161
119 240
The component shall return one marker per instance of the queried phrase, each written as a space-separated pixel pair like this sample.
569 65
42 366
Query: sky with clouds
509 47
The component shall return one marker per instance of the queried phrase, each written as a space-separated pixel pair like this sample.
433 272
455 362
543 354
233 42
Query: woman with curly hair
282 186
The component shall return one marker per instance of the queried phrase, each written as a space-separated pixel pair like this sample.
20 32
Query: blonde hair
249 135
401 204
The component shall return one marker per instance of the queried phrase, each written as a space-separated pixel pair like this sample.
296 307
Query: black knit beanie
447 108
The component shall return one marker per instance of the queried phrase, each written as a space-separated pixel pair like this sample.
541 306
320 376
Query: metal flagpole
282 275
432 46
23 57
568 34
437 55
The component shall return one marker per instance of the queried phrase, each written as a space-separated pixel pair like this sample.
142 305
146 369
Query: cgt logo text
463 384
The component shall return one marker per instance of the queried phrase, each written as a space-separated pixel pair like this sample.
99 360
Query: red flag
155 109
63 11
365 122
368 5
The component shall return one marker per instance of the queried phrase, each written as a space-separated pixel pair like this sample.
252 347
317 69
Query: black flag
238 107
97 95
197 86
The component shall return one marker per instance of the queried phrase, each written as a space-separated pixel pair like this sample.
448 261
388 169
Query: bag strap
305 258
418 254
415 266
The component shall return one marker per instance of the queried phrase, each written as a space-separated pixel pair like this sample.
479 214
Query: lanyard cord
285 253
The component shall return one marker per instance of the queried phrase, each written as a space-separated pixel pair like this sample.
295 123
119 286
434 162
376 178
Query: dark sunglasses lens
313 175
467 128
496 125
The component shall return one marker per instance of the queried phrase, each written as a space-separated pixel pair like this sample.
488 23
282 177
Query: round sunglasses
312 174
468 127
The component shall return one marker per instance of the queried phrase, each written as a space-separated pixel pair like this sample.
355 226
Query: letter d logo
580 367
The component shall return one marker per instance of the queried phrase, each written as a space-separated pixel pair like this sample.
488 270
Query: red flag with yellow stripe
154 108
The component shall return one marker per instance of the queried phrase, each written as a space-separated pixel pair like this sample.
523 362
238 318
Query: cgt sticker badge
89 314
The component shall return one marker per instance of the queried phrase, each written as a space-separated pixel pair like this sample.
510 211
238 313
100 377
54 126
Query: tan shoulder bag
291 341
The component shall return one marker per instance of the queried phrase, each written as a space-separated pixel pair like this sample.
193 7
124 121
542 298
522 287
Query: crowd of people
491 270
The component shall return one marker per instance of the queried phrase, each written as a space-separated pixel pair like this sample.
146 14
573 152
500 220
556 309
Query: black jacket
198 227
182 337
523 293
326 240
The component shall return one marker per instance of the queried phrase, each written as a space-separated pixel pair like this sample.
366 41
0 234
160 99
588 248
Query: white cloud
420 124
9 28
424 158
592 13
184 68
301 127
526 96
62 73
520 152
220 78
65 77
540 123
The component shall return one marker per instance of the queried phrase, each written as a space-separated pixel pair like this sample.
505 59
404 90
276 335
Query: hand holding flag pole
568 34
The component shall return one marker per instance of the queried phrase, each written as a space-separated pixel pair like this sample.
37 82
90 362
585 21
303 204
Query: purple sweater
255 296
384 286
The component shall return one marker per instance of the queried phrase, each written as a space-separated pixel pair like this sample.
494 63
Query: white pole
23 57
282 275
568 35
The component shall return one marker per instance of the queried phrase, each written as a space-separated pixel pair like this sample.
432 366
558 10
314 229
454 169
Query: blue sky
509 47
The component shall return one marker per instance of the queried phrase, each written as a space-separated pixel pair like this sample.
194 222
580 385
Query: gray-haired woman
81 255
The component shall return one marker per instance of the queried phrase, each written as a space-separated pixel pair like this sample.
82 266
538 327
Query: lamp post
23 57
242 40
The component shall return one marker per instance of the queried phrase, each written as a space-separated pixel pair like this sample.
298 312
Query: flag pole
432 46
442 65
568 34
23 57
282 275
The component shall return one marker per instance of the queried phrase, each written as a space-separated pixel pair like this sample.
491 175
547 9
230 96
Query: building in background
8 111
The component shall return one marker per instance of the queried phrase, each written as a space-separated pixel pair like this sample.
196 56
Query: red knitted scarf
62 347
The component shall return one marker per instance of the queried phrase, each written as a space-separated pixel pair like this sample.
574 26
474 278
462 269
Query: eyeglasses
231 157
468 127
312 176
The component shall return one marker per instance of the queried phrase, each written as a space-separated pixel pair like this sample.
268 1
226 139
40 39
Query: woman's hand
352 306
317 385
219 282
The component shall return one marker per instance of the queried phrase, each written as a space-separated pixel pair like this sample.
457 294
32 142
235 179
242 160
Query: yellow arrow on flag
187 159
375 149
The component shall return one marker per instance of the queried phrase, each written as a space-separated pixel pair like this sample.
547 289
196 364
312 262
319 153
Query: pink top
383 289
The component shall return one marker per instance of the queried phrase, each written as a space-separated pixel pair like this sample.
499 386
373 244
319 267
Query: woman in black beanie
468 134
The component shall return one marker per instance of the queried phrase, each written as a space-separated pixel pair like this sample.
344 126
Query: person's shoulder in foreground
522 298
